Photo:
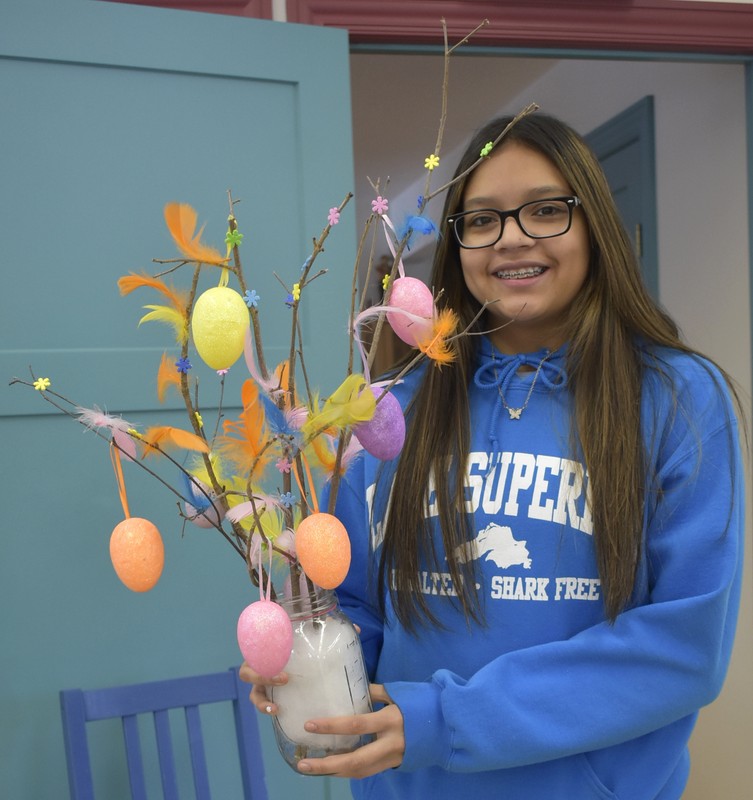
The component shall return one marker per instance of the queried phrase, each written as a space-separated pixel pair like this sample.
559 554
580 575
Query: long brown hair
605 368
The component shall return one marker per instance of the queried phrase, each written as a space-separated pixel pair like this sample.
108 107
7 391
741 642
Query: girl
547 579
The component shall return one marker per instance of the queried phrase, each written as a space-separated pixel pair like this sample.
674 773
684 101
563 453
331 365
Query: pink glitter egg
265 637
384 434
414 296
323 548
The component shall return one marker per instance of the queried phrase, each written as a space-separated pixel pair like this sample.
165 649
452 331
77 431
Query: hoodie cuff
426 737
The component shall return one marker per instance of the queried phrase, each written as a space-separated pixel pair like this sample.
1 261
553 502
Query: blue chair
79 707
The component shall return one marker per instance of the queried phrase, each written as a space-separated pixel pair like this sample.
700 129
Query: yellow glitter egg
219 324
323 548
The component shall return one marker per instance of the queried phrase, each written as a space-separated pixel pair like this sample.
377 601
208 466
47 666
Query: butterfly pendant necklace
515 413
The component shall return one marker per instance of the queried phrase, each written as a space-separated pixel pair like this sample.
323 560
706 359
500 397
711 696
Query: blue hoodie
547 699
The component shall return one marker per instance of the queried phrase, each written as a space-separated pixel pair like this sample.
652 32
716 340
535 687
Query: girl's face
533 281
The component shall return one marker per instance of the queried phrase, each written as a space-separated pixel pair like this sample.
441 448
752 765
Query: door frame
656 25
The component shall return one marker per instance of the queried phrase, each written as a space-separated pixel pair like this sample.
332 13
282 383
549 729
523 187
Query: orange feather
167 376
244 438
282 374
165 437
325 453
178 298
436 345
181 222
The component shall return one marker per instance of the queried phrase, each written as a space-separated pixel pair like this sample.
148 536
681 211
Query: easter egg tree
256 478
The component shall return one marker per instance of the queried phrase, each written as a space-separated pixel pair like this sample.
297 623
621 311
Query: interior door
625 147
109 112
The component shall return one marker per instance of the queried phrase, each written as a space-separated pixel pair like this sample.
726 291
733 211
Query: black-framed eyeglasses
539 219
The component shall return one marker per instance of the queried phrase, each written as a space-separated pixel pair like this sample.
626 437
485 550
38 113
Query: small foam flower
431 162
222 372
380 205
334 216
385 282
287 499
296 291
233 238
486 149
183 365
251 298
134 432
40 384
199 420
420 202
283 465
290 300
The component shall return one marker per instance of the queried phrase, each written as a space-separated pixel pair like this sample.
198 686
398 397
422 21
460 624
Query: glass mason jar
327 678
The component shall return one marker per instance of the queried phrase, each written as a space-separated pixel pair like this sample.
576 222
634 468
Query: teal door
625 147
110 111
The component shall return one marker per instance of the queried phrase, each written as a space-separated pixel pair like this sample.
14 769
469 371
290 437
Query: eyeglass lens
539 219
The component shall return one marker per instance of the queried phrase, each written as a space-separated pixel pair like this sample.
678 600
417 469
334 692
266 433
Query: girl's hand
385 752
258 694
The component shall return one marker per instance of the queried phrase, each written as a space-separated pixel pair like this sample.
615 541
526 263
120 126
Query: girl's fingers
248 675
379 694
260 700
258 695
385 752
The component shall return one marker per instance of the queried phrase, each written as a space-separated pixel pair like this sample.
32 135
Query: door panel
109 112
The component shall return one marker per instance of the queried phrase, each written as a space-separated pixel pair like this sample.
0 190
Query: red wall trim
657 25
667 25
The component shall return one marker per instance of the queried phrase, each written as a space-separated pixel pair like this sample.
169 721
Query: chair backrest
79 707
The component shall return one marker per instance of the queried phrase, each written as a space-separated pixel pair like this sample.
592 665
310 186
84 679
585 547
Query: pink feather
246 509
96 418
118 427
270 385
296 417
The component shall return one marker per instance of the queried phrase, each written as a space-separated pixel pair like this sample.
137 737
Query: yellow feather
175 319
351 402
271 523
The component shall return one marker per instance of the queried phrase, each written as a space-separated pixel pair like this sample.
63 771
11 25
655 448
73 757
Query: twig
529 109
47 395
465 39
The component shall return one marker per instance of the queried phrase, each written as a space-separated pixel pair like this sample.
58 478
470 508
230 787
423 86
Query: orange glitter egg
323 548
137 553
